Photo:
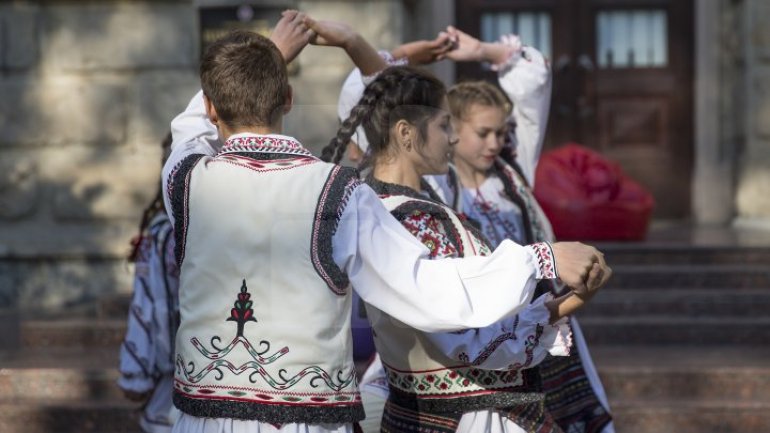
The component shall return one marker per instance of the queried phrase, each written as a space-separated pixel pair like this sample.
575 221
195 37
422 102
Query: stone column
715 107
753 188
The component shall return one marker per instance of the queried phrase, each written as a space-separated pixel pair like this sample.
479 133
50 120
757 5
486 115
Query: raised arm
526 79
525 76
336 34
423 52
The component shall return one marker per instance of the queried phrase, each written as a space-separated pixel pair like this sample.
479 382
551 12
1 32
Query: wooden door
622 80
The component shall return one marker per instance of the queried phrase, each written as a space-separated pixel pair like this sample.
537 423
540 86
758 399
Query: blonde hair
463 95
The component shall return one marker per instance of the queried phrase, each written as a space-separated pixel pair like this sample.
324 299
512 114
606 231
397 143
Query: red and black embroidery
338 188
545 260
265 144
419 215
341 404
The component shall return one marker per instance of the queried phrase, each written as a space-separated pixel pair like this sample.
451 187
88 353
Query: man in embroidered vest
270 240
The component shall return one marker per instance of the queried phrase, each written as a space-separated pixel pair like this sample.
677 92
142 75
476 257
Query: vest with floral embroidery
421 377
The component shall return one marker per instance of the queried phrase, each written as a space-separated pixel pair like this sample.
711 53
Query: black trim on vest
425 186
180 194
340 184
271 413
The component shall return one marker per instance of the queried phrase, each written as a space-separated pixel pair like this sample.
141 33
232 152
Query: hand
330 33
581 267
291 34
466 47
597 277
513 41
424 52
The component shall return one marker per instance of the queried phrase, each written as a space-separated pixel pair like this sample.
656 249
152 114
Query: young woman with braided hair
478 380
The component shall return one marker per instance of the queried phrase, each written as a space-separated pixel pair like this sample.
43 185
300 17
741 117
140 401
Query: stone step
690 276
687 302
673 416
644 254
684 373
60 373
73 416
61 383
665 330
84 333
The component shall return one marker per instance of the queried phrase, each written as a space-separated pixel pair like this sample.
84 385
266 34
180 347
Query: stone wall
88 89
753 183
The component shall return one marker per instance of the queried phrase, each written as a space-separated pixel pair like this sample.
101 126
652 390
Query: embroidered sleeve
520 342
546 264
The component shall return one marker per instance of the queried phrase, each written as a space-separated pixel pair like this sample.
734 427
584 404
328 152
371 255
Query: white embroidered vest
416 369
265 313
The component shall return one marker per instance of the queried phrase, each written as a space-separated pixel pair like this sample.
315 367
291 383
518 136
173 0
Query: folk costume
147 353
467 381
505 208
269 242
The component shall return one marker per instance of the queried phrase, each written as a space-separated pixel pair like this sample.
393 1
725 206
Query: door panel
622 81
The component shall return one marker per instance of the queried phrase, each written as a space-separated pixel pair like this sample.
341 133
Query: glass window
632 39
534 28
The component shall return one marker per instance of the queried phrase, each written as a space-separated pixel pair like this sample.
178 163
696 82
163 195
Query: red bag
587 197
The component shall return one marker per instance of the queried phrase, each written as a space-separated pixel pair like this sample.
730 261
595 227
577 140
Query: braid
335 150
399 92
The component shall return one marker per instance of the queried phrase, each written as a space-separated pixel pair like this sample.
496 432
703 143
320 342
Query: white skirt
192 424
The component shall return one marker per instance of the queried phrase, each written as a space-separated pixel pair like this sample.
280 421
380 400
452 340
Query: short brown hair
244 76
463 95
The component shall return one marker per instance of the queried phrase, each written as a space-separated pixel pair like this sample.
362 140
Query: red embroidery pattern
257 395
262 143
429 231
545 260
266 165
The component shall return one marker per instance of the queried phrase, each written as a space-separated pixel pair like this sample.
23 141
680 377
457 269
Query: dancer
473 381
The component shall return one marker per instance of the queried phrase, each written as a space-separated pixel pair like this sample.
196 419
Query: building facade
88 90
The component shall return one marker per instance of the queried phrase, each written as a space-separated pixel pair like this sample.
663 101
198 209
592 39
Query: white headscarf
351 93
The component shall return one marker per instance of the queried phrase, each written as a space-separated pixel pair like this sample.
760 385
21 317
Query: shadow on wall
86 101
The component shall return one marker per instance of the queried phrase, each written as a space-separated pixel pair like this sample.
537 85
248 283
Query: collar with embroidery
264 144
